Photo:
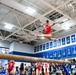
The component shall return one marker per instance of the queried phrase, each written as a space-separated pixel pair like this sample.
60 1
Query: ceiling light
8 25
30 10
66 27
64 20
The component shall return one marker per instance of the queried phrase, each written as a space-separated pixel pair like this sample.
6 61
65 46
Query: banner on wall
59 42
51 44
43 46
63 41
37 48
64 53
55 54
47 45
69 53
74 51
54 43
40 47
59 54
51 54
34 49
43 55
68 39
47 55
73 38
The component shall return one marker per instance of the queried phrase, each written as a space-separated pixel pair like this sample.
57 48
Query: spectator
22 71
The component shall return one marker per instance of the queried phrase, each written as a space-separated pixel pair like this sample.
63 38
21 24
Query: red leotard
10 66
38 65
47 29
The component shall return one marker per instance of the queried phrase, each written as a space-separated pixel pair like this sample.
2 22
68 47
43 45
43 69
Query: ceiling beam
56 9
40 17
21 8
19 30
65 33
15 5
51 11
35 5
25 38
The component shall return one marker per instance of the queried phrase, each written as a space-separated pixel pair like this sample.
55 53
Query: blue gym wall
63 48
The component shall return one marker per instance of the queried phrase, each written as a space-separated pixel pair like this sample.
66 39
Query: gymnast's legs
48 36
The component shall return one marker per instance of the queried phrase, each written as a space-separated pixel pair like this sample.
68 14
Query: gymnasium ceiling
13 12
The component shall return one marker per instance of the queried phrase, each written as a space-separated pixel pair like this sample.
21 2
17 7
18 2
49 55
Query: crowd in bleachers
39 69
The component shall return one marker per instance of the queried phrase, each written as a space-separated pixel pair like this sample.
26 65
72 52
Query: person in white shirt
46 68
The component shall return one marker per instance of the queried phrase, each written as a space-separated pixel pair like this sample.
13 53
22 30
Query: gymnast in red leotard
47 31
38 68
10 69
